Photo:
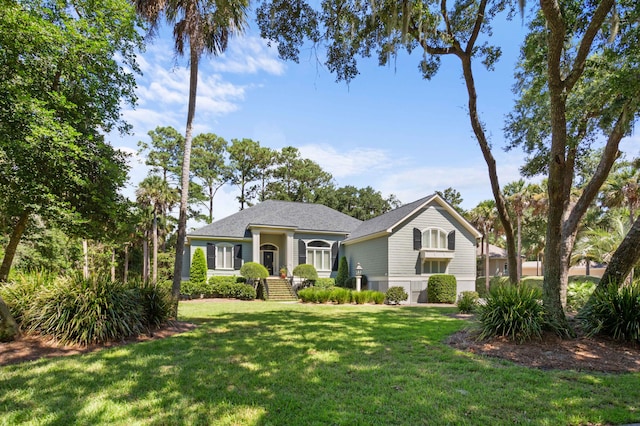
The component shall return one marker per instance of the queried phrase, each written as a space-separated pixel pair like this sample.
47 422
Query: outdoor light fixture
358 276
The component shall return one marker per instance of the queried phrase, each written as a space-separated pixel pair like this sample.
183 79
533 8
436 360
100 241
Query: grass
283 364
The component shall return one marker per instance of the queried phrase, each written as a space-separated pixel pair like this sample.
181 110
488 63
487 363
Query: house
498 262
400 248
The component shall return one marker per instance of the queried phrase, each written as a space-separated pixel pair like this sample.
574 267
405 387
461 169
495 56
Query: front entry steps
280 290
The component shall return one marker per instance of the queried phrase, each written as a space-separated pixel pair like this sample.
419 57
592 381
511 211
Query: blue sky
388 128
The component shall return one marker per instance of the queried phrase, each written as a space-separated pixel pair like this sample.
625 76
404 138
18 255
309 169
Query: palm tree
485 217
205 26
155 193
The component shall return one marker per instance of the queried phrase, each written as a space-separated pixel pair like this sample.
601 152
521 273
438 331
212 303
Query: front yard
255 363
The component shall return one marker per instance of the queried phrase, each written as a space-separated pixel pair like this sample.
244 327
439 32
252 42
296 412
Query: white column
256 246
358 281
289 252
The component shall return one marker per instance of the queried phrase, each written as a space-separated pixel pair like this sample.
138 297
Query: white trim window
434 239
435 266
224 256
319 255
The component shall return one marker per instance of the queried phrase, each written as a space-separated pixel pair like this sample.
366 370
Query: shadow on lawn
290 365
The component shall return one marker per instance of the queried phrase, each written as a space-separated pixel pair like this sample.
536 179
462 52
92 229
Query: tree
63 89
519 199
361 203
198 272
343 272
484 217
165 152
243 168
452 197
209 166
626 256
205 26
353 28
571 95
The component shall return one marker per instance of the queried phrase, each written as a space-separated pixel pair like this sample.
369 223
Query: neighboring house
400 248
498 263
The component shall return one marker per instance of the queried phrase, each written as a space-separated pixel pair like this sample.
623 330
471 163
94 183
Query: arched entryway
269 257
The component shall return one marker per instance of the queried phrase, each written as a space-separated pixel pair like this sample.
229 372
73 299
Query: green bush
80 311
515 312
359 297
22 288
245 292
254 271
198 271
578 293
396 295
340 295
156 303
613 312
468 301
343 272
377 297
441 288
306 272
324 283
351 282
314 295
195 289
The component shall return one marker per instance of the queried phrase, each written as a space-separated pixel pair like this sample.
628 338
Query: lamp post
358 276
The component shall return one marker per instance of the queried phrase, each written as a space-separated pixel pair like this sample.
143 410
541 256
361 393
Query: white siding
372 255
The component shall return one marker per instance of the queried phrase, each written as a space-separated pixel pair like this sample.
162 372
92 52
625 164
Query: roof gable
282 214
390 221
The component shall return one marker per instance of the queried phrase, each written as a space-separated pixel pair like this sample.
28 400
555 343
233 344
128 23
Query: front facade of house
399 248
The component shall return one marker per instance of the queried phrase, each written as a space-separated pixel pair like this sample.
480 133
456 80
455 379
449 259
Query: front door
267 261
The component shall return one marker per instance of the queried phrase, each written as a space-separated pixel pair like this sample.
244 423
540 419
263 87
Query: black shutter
451 240
417 239
211 256
334 256
237 256
302 252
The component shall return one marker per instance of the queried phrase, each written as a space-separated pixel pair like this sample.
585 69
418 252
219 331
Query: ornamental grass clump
613 312
468 301
340 295
515 312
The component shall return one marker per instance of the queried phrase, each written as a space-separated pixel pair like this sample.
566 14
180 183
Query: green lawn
256 363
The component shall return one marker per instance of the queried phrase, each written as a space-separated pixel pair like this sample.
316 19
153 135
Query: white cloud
249 55
354 162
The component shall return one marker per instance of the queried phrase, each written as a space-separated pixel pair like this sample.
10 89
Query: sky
388 129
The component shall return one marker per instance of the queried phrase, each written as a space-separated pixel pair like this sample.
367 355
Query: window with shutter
211 256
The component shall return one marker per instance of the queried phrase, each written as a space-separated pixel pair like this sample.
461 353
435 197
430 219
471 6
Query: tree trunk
154 231
145 259
186 164
85 255
487 275
478 129
125 275
9 329
113 264
624 258
14 240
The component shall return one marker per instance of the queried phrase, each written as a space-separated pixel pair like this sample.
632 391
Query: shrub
244 291
156 303
377 297
306 272
314 295
198 271
351 282
343 272
468 301
324 283
613 312
396 295
359 297
22 289
80 311
512 311
254 271
195 289
340 295
441 288
307 295
578 293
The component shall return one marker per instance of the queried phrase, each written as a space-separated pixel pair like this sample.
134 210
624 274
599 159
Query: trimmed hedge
395 295
198 271
324 283
306 272
254 271
441 288
339 296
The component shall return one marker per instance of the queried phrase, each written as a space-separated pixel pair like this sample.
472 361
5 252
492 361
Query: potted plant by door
283 272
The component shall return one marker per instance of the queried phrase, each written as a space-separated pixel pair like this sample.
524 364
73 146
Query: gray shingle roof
302 216
387 220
